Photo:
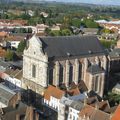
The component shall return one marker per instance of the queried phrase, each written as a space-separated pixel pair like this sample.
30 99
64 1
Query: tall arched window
96 83
51 76
80 72
61 75
33 71
71 74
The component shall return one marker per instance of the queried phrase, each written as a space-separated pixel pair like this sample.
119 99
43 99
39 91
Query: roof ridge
67 36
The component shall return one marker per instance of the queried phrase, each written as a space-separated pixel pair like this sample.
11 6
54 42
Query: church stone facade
63 60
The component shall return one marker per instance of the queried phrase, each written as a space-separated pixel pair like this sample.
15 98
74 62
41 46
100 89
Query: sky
106 2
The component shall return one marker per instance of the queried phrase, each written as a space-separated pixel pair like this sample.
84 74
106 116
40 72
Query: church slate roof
115 53
95 69
71 46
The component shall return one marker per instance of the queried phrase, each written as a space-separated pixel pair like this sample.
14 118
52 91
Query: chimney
111 115
19 96
1 111
85 102
31 113
96 106
14 104
36 116
17 117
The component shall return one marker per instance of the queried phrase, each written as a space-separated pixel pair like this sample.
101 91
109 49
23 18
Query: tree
91 24
108 44
54 33
9 55
113 98
25 16
76 22
65 32
21 46
107 31
47 30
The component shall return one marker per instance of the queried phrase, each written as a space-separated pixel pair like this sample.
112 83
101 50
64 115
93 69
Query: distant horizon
102 2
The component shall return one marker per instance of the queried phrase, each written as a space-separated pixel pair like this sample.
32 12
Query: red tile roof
3 34
53 91
2 52
93 113
74 91
104 105
116 115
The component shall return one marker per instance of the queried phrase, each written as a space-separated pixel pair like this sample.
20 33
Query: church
63 60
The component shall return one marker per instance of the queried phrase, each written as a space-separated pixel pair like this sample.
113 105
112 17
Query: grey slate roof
66 101
117 86
94 69
78 97
78 105
3 65
115 53
5 94
72 46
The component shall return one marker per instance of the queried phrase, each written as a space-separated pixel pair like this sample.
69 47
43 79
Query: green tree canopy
107 31
9 55
65 32
21 46
91 24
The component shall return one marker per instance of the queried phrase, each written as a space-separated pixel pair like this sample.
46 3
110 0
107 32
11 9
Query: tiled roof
100 115
86 111
104 105
70 46
116 115
14 73
115 53
3 34
73 92
78 105
93 113
15 22
111 110
81 86
5 94
53 91
92 100
117 86
14 38
2 52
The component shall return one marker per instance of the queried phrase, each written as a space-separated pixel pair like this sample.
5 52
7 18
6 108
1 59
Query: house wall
12 83
73 114
2 105
53 103
61 112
